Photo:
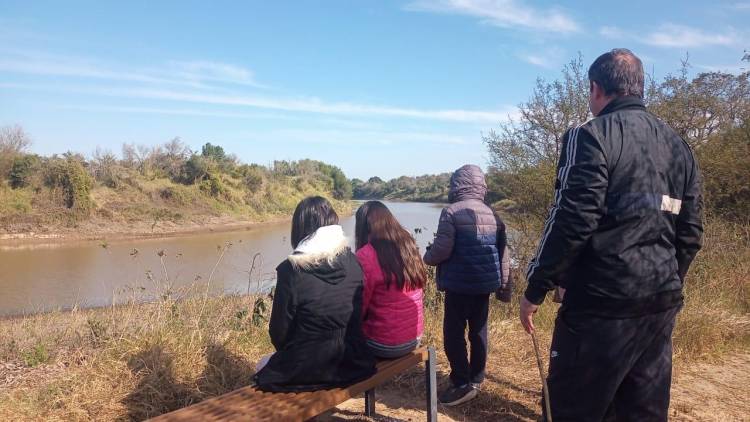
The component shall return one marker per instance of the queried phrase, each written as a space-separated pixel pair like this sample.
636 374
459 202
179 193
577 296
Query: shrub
22 170
104 168
724 161
213 186
36 356
74 182
195 169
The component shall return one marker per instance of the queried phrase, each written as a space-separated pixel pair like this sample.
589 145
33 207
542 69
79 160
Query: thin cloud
670 35
303 105
741 6
361 137
548 58
194 74
612 32
202 71
502 13
174 112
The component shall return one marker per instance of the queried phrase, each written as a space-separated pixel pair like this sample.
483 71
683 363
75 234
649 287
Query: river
41 278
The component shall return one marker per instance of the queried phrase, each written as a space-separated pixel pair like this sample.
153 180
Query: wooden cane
545 390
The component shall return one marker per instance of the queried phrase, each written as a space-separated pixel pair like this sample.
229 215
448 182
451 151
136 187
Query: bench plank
249 403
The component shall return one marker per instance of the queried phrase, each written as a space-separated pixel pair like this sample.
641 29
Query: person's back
315 321
630 261
624 228
471 254
393 278
466 250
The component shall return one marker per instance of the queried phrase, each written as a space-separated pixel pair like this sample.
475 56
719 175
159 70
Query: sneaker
454 396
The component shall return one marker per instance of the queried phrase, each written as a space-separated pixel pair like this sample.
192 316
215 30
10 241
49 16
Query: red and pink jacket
390 316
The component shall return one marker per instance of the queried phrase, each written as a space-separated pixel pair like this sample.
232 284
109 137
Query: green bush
195 169
74 182
36 356
724 161
213 186
22 169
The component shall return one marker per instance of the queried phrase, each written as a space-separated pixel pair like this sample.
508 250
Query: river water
40 278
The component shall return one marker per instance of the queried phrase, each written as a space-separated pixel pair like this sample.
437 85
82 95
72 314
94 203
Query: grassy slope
156 205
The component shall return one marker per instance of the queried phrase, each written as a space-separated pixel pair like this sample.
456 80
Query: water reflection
87 274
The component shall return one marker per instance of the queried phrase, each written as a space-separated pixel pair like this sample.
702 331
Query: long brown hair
397 250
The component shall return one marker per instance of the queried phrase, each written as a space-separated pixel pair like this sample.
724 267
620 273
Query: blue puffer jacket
470 246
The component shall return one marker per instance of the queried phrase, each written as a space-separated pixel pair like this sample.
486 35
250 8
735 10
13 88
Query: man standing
625 226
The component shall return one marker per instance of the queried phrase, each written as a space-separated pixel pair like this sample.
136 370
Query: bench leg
370 403
431 385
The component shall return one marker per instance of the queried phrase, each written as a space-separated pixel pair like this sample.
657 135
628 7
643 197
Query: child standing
471 252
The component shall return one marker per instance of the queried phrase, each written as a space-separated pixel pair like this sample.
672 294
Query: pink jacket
390 317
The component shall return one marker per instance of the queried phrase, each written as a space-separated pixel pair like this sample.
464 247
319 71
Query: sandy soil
705 392
99 230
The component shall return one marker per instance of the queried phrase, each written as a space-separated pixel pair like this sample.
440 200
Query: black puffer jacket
315 322
627 219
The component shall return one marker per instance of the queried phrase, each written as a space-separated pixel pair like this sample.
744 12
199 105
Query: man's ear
594 89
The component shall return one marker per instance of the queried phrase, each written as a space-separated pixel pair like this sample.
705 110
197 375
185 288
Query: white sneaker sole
469 396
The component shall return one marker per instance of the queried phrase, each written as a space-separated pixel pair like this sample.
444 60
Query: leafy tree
710 111
214 152
22 170
69 175
699 107
195 169
13 142
524 151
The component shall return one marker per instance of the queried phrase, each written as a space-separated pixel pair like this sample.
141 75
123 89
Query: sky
378 88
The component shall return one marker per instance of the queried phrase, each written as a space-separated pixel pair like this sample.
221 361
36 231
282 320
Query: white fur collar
324 245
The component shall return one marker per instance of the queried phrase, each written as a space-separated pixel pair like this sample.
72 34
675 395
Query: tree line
427 188
166 180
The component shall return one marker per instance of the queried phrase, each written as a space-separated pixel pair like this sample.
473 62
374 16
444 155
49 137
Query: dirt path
706 392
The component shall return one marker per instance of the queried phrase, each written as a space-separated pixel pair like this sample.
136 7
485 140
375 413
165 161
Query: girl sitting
315 321
393 278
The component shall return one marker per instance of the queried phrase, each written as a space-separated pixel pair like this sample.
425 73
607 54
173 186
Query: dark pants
460 309
611 369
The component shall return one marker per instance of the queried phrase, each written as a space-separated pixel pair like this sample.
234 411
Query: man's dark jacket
627 218
470 246
315 327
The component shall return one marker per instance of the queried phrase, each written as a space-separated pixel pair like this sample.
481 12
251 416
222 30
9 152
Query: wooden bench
251 404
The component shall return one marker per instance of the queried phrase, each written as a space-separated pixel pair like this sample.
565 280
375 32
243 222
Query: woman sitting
394 275
315 321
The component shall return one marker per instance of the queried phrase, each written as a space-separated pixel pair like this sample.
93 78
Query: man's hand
527 312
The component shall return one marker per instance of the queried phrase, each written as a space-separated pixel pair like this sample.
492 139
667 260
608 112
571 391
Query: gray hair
618 72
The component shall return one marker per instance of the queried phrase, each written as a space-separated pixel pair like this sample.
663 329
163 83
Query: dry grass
139 360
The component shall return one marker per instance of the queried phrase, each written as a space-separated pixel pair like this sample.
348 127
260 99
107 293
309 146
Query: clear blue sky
375 87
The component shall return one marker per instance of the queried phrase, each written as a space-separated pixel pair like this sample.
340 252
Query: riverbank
71 198
136 361
109 230
97 229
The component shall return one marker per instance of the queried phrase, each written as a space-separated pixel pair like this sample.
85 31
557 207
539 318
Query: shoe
454 396
476 385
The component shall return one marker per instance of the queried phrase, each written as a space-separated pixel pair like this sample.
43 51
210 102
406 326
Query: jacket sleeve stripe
569 159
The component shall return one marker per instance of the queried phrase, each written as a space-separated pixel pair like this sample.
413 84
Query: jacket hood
467 183
317 254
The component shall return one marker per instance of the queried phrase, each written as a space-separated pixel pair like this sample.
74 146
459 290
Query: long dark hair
398 255
311 214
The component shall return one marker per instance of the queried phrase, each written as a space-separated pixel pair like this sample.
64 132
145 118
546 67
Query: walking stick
545 390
